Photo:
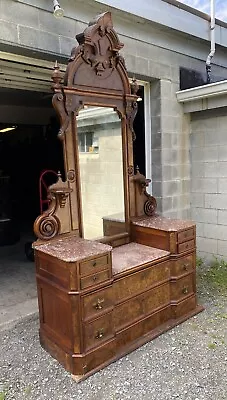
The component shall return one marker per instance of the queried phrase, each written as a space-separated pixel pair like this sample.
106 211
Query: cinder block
166 88
216 201
40 40
204 215
209 153
207 245
213 231
197 200
204 185
19 13
222 153
222 217
8 32
171 188
66 45
222 186
198 169
222 248
199 229
197 139
60 26
158 70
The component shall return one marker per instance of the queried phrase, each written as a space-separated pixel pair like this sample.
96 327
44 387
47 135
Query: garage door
19 72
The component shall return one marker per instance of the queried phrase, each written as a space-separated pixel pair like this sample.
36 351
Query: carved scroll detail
48 225
146 204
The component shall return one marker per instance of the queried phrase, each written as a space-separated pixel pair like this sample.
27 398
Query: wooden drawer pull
99 304
99 334
185 290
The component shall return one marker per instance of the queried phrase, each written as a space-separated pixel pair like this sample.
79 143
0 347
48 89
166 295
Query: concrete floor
18 294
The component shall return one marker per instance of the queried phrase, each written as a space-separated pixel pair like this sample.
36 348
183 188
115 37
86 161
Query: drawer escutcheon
99 304
99 334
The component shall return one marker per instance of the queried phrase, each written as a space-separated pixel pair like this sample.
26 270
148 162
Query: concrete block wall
209 181
152 54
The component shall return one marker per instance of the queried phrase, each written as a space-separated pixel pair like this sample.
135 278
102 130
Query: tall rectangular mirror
99 137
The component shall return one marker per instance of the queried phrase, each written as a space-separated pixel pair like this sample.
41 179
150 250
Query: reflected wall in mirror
101 172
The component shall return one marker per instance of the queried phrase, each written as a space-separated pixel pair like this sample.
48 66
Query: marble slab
163 223
133 255
73 248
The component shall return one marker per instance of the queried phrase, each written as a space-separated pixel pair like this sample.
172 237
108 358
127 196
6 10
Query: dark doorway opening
139 128
24 153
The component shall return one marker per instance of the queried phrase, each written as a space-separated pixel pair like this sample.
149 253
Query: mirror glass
101 172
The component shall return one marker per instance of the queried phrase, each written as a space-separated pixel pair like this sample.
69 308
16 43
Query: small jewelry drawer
183 265
182 247
98 331
97 302
94 265
183 287
94 279
185 235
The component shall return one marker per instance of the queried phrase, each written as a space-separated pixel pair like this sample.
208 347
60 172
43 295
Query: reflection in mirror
101 172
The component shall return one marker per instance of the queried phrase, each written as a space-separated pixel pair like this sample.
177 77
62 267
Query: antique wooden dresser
111 273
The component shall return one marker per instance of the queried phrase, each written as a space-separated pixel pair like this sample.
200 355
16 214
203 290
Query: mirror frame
96 75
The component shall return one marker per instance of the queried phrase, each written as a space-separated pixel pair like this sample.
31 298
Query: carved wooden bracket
53 221
145 203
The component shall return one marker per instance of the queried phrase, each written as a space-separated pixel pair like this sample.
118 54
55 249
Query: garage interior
29 146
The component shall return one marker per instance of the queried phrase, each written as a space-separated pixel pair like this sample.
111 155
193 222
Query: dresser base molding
108 352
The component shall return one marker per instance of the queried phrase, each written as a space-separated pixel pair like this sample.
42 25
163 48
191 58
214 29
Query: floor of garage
18 294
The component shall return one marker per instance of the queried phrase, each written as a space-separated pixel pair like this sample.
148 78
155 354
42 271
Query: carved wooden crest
99 45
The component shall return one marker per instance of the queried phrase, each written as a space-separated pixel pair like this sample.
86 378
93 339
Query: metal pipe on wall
212 40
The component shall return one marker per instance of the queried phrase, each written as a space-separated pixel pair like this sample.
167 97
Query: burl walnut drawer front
94 279
142 305
98 331
94 265
139 281
183 265
185 235
96 303
183 287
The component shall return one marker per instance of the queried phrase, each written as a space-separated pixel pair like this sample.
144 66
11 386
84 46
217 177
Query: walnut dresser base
98 303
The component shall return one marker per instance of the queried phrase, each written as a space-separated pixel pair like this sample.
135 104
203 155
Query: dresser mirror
99 139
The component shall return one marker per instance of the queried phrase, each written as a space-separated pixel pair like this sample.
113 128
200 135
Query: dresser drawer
182 287
140 306
94 265
139 281
184 307
185 235
98 331
189 245
94 279
183 265
97 302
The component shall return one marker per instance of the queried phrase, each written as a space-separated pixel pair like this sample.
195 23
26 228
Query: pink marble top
163 223
73 248
134 254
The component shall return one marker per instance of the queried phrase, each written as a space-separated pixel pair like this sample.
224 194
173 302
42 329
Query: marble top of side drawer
163 223
133 255
73 249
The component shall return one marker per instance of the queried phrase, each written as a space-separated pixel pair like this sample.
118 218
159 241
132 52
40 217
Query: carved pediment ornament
99 45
